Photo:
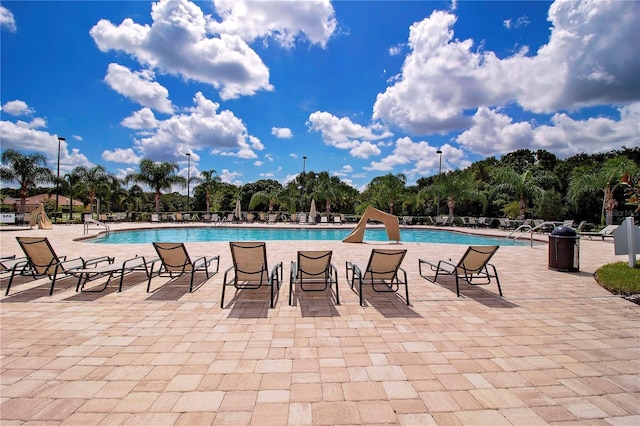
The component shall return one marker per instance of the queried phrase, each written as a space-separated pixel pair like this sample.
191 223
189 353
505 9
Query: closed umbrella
238 212
312 211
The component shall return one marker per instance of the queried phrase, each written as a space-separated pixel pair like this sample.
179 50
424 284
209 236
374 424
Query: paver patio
556 349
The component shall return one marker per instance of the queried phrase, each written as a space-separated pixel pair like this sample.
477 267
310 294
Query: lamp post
304 165
60 139
439 152
188 181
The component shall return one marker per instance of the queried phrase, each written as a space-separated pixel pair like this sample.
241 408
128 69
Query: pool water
197 234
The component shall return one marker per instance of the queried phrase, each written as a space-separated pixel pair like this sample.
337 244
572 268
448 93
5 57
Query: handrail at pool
88 221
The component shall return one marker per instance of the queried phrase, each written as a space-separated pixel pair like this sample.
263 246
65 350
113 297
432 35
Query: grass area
618 278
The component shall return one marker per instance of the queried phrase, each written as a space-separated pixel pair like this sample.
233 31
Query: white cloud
587 62
396 50
25 137
495 133
283 21
7 20
258 163
230 177
364 149
419 158
17 108
282 132
142 119
345 134
178 43
139 86
119 155
201 127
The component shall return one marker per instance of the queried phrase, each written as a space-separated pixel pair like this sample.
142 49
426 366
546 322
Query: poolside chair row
311 271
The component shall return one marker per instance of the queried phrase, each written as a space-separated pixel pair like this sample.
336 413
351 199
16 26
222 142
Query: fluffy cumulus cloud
201 127
495 133
230 177
283 21
178 42
7 20
139 86
124 156
29 136
418 158
345 134
282 132
587 61
17 108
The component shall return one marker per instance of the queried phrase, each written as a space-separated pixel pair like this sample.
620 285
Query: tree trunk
609 204
451 203
157 202
523 207
23 199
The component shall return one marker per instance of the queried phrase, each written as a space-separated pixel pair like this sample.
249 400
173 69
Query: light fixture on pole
188 181
60 139
439 152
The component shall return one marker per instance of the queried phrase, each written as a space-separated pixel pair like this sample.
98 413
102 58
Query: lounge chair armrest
70 264
276 273
356 271
224 280
95 262
135 260
333 272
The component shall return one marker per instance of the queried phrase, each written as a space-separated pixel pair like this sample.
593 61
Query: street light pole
304 165
60 139
188 181
439 152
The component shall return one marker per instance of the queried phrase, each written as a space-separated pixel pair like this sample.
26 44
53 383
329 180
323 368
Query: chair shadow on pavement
92 288
389 304
37 292
174 288
251 303
477 293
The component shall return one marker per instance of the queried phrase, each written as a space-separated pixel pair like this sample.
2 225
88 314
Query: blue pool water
196 234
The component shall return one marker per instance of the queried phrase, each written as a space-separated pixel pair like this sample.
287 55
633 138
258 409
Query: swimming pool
199 234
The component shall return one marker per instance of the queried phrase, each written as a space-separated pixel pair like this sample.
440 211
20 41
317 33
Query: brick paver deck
556 349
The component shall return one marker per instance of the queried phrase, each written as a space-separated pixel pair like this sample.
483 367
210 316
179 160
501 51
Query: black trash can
564 249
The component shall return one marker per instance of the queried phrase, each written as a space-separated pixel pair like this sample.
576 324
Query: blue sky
361 88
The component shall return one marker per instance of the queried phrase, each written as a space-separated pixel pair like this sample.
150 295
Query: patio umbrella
238 212
312 211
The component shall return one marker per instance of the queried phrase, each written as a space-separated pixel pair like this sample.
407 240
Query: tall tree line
521 184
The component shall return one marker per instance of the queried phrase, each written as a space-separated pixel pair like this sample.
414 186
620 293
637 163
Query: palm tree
388 189
28 170
326 189
95 180
135 198
159 176
269 196
455 186
72 183
116 194
607 178
209 184
528 185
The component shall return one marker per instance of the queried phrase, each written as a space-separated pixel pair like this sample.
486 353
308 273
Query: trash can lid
564 231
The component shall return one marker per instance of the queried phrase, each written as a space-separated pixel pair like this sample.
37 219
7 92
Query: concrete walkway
556 349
